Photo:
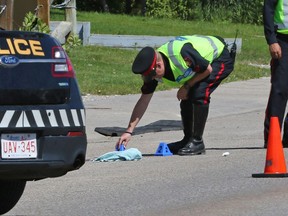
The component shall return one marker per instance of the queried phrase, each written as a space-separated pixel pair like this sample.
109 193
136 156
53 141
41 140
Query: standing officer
198 63
275 14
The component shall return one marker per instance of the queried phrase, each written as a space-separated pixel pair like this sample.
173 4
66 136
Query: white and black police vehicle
42 116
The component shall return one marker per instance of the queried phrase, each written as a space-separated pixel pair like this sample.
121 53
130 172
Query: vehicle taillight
62 68
72 134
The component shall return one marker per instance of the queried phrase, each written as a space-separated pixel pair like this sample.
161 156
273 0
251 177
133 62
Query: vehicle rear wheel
10 193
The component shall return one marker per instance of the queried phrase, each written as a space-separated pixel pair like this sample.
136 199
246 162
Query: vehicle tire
10 193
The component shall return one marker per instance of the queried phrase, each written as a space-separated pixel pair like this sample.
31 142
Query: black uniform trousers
221 68
279 88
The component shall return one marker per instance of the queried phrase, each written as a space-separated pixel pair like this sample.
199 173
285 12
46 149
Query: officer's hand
275 51
124 139
182 93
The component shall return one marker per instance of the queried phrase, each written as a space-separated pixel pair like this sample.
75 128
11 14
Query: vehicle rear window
31 79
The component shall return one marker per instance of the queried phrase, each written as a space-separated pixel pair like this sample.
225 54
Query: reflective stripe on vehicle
42 118
63 61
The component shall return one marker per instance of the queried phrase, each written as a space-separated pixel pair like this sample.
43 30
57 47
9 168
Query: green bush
159 9
112 6
236 11
32 23
179 9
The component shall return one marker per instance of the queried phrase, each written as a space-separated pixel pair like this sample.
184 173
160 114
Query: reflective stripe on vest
281 16
173 58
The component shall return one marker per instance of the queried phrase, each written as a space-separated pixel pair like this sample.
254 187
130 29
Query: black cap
145 61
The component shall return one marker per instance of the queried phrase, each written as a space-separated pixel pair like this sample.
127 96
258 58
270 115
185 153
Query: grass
107 71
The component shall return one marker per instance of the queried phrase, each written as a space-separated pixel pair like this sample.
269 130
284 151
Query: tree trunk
105 6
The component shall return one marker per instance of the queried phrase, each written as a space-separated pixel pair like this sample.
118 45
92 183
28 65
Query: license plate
15 146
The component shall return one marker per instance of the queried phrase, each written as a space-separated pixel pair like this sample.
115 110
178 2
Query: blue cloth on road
127 155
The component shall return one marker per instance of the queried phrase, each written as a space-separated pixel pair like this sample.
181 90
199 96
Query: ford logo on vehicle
9 61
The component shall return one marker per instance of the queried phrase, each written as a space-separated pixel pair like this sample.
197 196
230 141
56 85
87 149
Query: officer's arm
268 21
139 111
136 115
182 92
198 77
269 29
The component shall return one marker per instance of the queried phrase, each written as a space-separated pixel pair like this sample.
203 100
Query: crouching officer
198 63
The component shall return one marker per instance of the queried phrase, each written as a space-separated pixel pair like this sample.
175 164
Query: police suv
42 117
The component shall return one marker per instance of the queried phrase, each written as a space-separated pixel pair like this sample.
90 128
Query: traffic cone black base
272 175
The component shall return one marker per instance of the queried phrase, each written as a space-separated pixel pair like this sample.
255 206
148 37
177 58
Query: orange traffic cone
275 165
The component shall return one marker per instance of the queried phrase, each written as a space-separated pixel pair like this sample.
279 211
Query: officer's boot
186 116
196 145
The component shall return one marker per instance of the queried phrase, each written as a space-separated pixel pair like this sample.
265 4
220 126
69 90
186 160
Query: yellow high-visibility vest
209 48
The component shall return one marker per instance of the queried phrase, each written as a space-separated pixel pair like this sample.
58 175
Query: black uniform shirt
268 19
193 60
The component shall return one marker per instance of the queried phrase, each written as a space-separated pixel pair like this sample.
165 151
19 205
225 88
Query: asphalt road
209 184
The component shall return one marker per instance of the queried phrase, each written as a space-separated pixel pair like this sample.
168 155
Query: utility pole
6 16
43 7
13 12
